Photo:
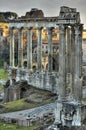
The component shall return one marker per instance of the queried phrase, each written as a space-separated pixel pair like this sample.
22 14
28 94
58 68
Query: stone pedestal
70 113
17 75
58 112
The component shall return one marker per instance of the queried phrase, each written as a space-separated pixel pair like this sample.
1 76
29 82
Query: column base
70 113
18 74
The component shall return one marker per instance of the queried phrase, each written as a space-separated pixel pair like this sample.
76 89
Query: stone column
62 64
80 46
39 49
29 49
58 110
77 51
50 50
69 45
11 47
72 61
68 50
20 47
78 66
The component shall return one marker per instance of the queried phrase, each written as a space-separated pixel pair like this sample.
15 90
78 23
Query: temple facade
70 51
67 80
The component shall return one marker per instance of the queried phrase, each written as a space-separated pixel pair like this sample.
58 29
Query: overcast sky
49 7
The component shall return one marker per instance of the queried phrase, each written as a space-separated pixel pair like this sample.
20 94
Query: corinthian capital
78 29
62 28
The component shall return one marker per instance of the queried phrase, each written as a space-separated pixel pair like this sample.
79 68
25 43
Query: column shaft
11 47
68 51
78 66
50 50
29 49
62 64
20 48
77 52
69 62
72 61
80 52
39 49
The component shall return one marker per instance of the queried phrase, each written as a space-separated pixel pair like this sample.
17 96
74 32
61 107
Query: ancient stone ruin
67 80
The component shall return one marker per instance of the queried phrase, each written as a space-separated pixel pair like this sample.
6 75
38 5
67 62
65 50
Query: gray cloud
49 7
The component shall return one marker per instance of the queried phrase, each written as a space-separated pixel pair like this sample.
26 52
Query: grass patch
35 98
22 105
4 126
3 75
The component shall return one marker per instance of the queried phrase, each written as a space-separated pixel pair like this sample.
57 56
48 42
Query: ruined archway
34 68
25 64
23 92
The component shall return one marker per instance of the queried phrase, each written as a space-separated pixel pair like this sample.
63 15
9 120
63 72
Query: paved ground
39 111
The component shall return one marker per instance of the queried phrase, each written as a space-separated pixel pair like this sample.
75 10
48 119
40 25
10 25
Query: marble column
72 61
50 50
29 49
77 49
68 50
68 62
80 46
62 62
11 47
39 49
78 66
20 47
